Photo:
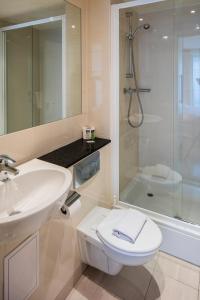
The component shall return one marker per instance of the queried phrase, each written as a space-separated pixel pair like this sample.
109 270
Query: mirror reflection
40 60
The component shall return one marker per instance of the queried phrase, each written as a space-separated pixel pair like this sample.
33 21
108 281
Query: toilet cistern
6 167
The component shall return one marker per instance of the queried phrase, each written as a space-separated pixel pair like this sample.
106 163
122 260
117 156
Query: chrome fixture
131 73
131 35
6 166
130 91
71 198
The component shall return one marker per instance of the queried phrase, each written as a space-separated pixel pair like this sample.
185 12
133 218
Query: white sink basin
29 199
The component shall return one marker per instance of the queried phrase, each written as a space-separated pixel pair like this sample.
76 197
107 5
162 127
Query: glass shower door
159 166
147 150
187 109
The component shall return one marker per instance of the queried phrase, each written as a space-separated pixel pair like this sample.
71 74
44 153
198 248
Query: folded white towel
130 226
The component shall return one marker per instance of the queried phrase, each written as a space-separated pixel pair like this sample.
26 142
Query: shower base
178 217
183 205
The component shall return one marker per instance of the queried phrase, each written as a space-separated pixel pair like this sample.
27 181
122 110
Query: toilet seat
146 245
100 249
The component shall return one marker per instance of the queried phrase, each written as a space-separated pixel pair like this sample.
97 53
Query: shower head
144 26
131 34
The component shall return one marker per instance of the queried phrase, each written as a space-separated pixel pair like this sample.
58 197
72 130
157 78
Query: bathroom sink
29 199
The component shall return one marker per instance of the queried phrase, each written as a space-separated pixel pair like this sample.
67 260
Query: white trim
115 101
5 86
135 3
2 84
31 23
64 73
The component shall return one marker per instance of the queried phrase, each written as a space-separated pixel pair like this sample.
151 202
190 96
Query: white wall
73 61
99 64
60 263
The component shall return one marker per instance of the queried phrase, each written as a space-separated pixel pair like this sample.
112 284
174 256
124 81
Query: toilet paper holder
71 198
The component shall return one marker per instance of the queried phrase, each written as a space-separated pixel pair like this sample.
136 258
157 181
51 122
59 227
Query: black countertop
70 154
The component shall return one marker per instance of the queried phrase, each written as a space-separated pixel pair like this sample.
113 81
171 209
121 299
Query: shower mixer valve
131 91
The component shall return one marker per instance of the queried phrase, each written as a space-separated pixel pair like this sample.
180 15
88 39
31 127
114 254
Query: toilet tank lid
89 224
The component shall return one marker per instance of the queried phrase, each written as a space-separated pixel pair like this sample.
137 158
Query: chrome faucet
6 166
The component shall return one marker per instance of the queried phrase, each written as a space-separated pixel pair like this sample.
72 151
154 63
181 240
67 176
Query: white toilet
101 249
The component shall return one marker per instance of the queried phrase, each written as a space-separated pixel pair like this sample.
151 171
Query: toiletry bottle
93 133
86 133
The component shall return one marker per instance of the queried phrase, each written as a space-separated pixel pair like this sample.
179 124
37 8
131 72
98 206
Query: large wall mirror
40 64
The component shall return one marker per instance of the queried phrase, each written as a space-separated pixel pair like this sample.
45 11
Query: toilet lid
148 240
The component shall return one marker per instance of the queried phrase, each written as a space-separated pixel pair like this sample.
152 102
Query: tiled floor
164 278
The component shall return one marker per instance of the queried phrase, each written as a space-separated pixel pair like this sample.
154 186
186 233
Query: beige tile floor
164 278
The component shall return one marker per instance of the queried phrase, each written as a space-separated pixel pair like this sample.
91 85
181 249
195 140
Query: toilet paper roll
73 208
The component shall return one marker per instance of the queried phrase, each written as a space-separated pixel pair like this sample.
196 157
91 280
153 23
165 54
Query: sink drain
150 194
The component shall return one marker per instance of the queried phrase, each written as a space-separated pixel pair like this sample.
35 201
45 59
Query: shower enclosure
158 162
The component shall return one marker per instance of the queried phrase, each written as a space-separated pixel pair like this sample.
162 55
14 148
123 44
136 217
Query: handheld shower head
144 26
